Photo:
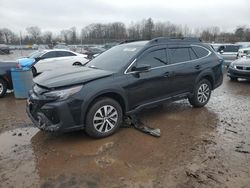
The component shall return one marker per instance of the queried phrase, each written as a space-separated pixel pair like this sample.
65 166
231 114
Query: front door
147 87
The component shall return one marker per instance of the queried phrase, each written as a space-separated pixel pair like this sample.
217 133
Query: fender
118 92
205 73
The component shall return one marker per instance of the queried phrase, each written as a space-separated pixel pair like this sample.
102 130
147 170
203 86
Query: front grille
243 68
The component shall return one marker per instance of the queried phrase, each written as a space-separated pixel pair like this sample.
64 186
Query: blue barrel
22 80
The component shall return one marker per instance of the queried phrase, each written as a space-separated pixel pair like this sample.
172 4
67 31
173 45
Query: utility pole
21 43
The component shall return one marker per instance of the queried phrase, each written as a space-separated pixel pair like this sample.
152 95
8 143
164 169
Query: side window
178 55
50 55
192 54
200 52
231 48
64 54
154 58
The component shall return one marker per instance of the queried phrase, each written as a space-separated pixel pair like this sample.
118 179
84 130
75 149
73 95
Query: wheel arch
8 82
206 75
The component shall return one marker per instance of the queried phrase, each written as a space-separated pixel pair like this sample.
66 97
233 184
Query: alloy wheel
1 88
105 118
203 93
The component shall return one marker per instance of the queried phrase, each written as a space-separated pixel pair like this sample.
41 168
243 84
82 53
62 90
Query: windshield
36 54
115 58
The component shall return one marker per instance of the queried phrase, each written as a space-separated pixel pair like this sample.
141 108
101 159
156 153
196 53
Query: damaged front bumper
53 116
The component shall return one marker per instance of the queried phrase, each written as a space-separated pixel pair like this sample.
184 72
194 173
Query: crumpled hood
26 62
70 76
242 62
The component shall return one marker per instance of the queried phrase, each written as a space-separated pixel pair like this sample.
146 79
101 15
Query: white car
243 52
60 62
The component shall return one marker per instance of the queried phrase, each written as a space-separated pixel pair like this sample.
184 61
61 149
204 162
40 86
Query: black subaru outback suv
121 81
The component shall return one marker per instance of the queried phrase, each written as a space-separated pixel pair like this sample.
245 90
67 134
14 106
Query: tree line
145 29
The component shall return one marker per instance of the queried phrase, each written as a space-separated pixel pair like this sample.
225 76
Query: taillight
18 66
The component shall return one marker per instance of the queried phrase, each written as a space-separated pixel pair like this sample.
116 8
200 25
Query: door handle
197 67
167 74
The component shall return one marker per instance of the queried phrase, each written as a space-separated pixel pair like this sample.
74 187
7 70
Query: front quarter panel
101 87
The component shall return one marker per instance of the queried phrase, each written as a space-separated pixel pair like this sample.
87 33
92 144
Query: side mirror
39 58
141 68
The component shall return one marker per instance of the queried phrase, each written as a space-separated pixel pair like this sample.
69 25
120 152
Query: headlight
232 66
63 93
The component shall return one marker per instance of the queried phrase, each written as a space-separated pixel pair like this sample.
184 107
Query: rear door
185 66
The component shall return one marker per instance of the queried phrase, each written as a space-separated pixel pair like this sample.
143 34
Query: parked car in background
46 54
228 52
5 76
240 68
243 44
93 51
55 63
123 80
243 52
4 49
63 46
109 45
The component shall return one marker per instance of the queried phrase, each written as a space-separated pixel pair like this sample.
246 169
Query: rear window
200 51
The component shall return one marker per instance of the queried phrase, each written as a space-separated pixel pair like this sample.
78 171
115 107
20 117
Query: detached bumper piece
134 121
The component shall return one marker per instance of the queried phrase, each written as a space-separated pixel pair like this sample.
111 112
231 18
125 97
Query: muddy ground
206 147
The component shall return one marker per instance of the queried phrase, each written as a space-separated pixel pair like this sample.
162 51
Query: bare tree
65 35
35 32
7 35
47 37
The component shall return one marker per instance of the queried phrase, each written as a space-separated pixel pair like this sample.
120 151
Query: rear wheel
77 64
202 94
3 87
103 118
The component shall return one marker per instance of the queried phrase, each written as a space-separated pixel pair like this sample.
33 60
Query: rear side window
154 58
200 52
192 54
178 55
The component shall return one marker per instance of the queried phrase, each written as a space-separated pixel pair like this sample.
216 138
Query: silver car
240 68
228 52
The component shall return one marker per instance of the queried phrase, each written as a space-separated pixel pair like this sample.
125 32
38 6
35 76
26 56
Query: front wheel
103 118
202 93
3 87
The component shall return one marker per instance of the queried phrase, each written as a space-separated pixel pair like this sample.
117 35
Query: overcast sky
55 15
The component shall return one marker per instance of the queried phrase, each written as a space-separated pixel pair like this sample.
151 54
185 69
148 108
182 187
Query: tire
233 78
3 87
98 125
202 93
77 64
34 71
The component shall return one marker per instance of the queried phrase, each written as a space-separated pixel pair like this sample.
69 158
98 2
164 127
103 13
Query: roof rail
178 39
128 41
